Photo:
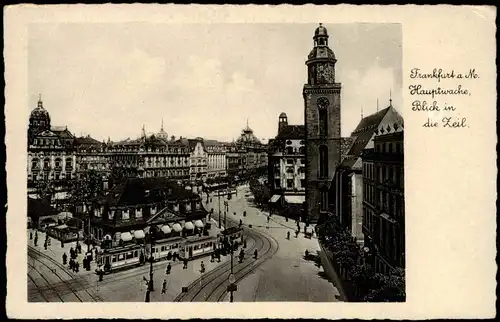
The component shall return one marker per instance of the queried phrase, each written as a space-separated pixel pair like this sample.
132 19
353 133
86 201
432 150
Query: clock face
323 102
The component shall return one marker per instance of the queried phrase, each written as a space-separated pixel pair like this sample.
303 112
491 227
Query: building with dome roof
51 153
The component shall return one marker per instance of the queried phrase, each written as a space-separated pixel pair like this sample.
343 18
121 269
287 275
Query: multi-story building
383 197
286 164
322 124
253 153
217 160
130 208
198 159
91 155
151 156
346 190
51 151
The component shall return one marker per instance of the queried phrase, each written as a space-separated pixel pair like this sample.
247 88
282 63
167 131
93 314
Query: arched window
323 161
302 150
323 122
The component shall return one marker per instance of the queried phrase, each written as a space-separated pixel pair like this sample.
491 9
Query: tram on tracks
120 257
197 246
167 248
233 234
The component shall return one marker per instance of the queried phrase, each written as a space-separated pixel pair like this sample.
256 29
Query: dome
321 31
283 114
39 113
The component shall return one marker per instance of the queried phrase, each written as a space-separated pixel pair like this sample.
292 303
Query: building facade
198 160
217 160
51 150
136 204
347 186
322 124
383 198
286 163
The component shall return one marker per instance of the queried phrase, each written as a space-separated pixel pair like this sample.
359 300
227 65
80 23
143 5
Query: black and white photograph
140 191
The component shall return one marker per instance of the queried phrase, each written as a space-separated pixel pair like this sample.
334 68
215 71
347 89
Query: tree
391 288
117 175
45 190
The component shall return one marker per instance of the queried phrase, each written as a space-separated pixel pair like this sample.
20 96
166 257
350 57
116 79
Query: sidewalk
55 251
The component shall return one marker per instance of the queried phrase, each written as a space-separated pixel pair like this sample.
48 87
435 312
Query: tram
120 257
234 234
197 246
167 248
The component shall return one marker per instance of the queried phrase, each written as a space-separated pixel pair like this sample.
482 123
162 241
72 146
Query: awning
274 198
126 236
139 234
166 229
177 228
189 225
198 224
295 199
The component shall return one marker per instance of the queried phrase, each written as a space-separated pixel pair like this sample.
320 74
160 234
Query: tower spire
390 97
40 103
161 129
377 104
143 131
361 111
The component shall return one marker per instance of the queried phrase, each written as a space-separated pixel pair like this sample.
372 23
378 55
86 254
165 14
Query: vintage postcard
259 162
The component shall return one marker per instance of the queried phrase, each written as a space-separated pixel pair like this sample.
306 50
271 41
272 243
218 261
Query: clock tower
322 123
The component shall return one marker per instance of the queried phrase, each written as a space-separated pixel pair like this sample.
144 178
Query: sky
203 80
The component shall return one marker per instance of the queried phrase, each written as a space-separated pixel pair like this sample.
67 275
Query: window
138 213
302 183
302 142
323 123
289 183
125 214
46 163
289 161
289 150
324 201
34 164
277 183
288 142
111 214
390 148
302 150
323 161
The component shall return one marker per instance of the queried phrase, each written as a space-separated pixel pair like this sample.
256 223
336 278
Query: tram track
74 284
216 280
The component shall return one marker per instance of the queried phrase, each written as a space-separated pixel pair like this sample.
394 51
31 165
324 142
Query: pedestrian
288 235
164 287
268 218
85 262
255 253
77 266
36 240
31 235
62 243
169 267
241 223
234 213
244 213
71 252
286 219
296 233
212 258
202 270
71 263
65 258
45 245
185 264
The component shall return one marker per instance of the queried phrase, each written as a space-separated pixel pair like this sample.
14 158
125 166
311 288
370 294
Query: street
280 273
286 276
